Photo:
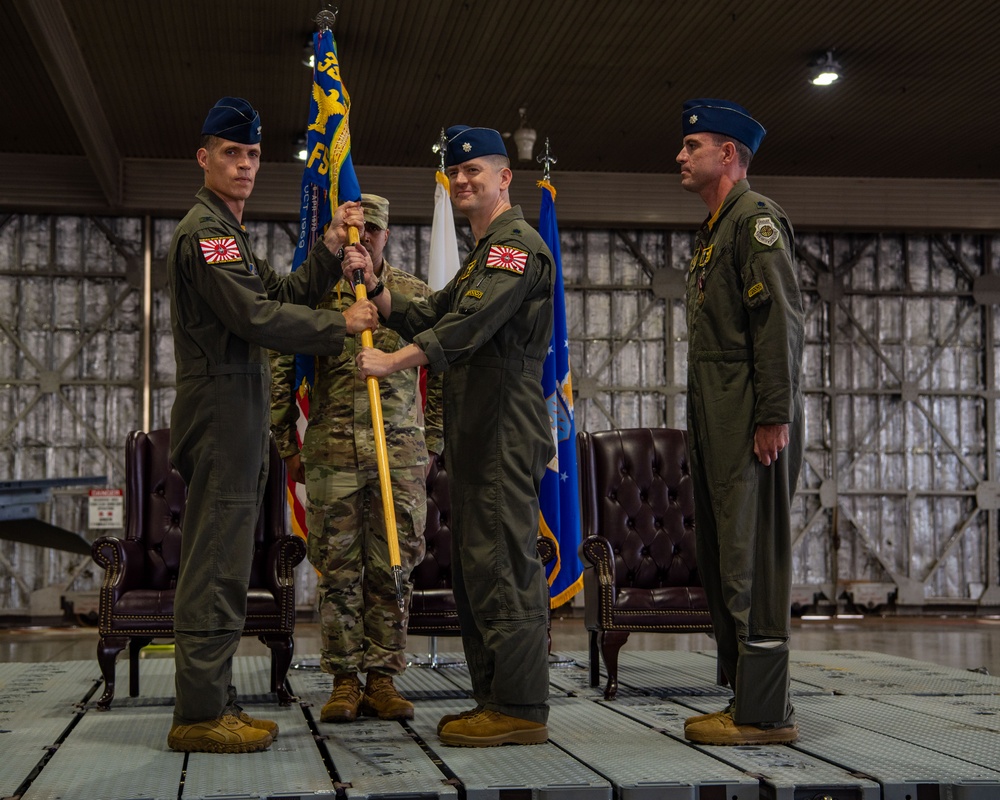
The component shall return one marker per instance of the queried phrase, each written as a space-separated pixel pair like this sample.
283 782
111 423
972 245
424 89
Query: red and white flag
508 258
222 250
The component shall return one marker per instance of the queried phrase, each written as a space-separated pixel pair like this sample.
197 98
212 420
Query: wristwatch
379 288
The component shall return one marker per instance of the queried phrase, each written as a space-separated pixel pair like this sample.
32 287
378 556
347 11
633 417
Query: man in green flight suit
488 331
363 628
745 422
226 306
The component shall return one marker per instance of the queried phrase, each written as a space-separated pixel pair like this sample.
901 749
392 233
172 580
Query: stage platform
872 727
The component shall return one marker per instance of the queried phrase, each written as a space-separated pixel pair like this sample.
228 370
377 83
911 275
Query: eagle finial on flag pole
546 159
326 18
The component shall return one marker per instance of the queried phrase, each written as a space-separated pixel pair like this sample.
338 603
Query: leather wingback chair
637 505
432 604
137 594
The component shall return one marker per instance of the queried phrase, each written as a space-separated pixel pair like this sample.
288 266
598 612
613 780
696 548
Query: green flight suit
488 330
226 306
363 628
745 332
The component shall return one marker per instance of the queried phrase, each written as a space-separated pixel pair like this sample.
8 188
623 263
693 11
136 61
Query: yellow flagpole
381 450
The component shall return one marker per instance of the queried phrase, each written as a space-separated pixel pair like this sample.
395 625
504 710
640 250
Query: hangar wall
899 493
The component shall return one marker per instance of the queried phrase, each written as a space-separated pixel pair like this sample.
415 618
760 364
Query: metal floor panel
664 677
113 755
292 767
784 772
977 745
489 773
433 684
31 686
978 710
251 677
642 763
38 702
905 771
702 669
575 682
866 673
374 758
414 683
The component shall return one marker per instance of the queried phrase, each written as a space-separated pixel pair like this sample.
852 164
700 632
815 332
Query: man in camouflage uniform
226 305
488 331
745 422
363 628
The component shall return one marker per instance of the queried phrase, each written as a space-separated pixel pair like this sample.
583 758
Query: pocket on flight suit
736 514
476 391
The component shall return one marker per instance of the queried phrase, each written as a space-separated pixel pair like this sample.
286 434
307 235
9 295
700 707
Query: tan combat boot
344 699
491 728
722 730
461 715
382 700
224 735
268 725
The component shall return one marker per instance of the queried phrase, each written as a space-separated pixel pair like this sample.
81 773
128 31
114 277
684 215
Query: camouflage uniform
362 625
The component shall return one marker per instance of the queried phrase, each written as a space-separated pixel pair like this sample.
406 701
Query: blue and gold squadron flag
560 492
327 181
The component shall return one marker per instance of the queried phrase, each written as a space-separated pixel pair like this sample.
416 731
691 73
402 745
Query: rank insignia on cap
508 258
222 250
692 119
765 231
466 147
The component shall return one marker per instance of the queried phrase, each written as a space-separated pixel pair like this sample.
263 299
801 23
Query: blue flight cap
233 118
465 144
708 115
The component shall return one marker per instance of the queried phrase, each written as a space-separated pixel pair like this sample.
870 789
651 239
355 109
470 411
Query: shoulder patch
220 250
765 231
508 258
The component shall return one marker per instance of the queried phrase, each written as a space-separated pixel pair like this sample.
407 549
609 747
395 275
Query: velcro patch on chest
474 293
508 258
468 271
220 250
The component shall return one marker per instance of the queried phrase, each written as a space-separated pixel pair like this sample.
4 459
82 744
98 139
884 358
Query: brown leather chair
432 604
637 505
137 594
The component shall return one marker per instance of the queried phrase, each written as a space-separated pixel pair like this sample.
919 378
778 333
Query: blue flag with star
560 493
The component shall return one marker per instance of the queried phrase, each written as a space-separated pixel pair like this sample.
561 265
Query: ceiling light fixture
309 55
825 70
524 137
301 151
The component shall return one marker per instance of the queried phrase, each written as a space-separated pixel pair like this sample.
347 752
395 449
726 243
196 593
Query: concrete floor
965 643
